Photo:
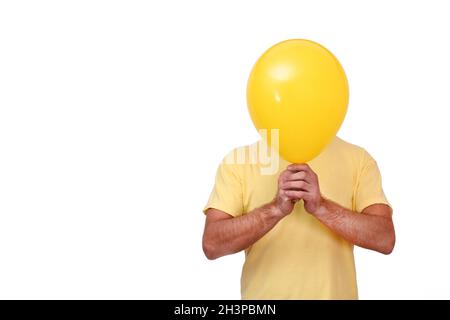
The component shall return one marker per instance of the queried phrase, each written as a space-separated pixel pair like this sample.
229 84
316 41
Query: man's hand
371 229
297 182
225 234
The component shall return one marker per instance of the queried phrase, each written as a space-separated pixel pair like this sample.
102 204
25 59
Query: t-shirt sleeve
227 192
369 188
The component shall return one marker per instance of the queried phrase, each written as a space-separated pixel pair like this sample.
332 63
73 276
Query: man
298 226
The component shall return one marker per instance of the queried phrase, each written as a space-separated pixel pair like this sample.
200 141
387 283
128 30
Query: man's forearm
364 230
229 236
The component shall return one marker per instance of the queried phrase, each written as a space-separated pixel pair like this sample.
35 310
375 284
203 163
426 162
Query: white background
115 114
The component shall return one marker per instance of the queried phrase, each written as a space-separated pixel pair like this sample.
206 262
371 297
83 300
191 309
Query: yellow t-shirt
300 258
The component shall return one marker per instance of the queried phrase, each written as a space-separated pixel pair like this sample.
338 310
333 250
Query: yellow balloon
300 88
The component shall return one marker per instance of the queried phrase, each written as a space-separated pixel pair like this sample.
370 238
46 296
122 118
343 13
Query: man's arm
225 234
372 229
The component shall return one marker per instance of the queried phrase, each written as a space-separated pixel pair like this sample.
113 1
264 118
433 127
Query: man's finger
295 195
310 175
300 175
296 185
285 176
299 167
